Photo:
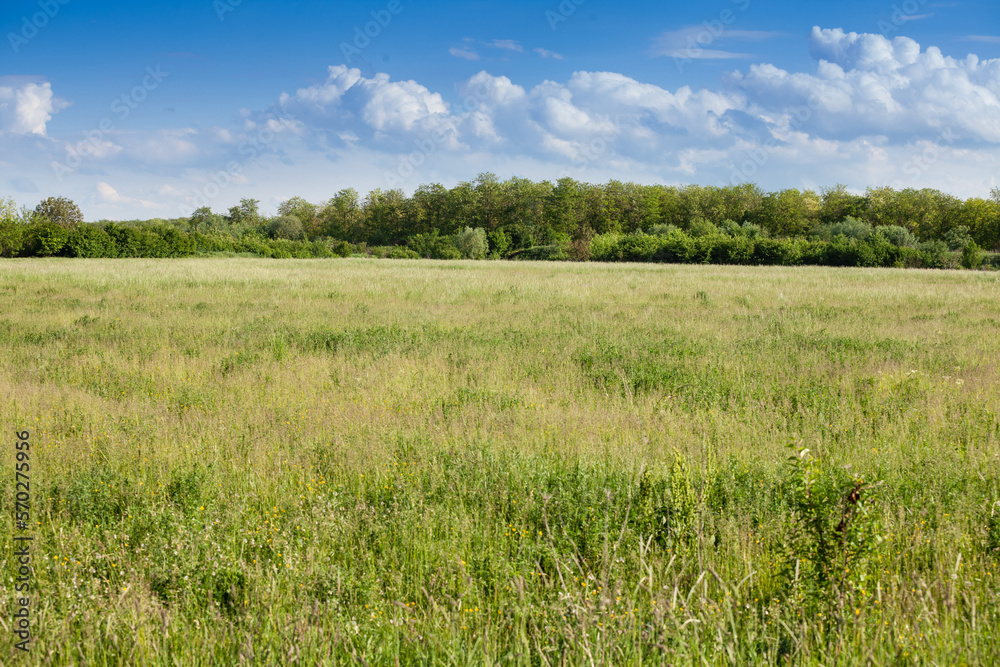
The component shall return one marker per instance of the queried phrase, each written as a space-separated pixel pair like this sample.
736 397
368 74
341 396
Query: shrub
972 256
11 238
663 230
45 238
935 254
90 241
832 530
286 227
849 227
898 236
499 244
702 227
957 238
433 246
472 243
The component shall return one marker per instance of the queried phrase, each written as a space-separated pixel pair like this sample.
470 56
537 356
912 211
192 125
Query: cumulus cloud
871 110
108 195
868 84
26 107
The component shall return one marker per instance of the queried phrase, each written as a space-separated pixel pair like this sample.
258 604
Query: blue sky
151 109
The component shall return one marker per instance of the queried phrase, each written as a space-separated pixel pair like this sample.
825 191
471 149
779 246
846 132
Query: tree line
568 219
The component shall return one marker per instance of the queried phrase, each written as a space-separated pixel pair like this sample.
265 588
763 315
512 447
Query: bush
472 243
11 238
663 230
898 236
286 227
45 239
499 244
957 238
90 241
935 254
849 227
433 246
701 227
972 256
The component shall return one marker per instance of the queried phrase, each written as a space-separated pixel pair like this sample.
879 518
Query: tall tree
60 210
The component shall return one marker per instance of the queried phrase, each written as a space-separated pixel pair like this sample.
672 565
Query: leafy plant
831 529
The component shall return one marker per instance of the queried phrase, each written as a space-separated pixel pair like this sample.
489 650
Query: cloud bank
872 111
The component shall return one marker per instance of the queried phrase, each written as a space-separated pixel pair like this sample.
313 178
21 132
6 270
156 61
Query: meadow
382 462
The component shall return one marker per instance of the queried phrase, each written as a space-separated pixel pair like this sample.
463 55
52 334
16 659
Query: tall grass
382 462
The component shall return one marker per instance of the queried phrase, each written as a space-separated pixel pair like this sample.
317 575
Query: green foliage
45 238
433 246
402 252
556 252
60 210
499 244
957 238
898 236
471 243
702 227
665 507
849 227
831 532
287 227
972 256
90 241
663 229
11 238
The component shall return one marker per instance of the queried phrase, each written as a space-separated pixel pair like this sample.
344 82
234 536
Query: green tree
472 243
342 217
308 214
60 210
286 227
837 203
246 213
385 217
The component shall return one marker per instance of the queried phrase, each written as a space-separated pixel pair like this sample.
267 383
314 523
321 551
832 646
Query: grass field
408 462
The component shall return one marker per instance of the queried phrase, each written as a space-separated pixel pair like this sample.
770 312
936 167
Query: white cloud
545 53
870 111
26 107
465 53
867 84
507 44
108 195
695 42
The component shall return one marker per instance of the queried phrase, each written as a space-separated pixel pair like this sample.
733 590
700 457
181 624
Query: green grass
395 462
